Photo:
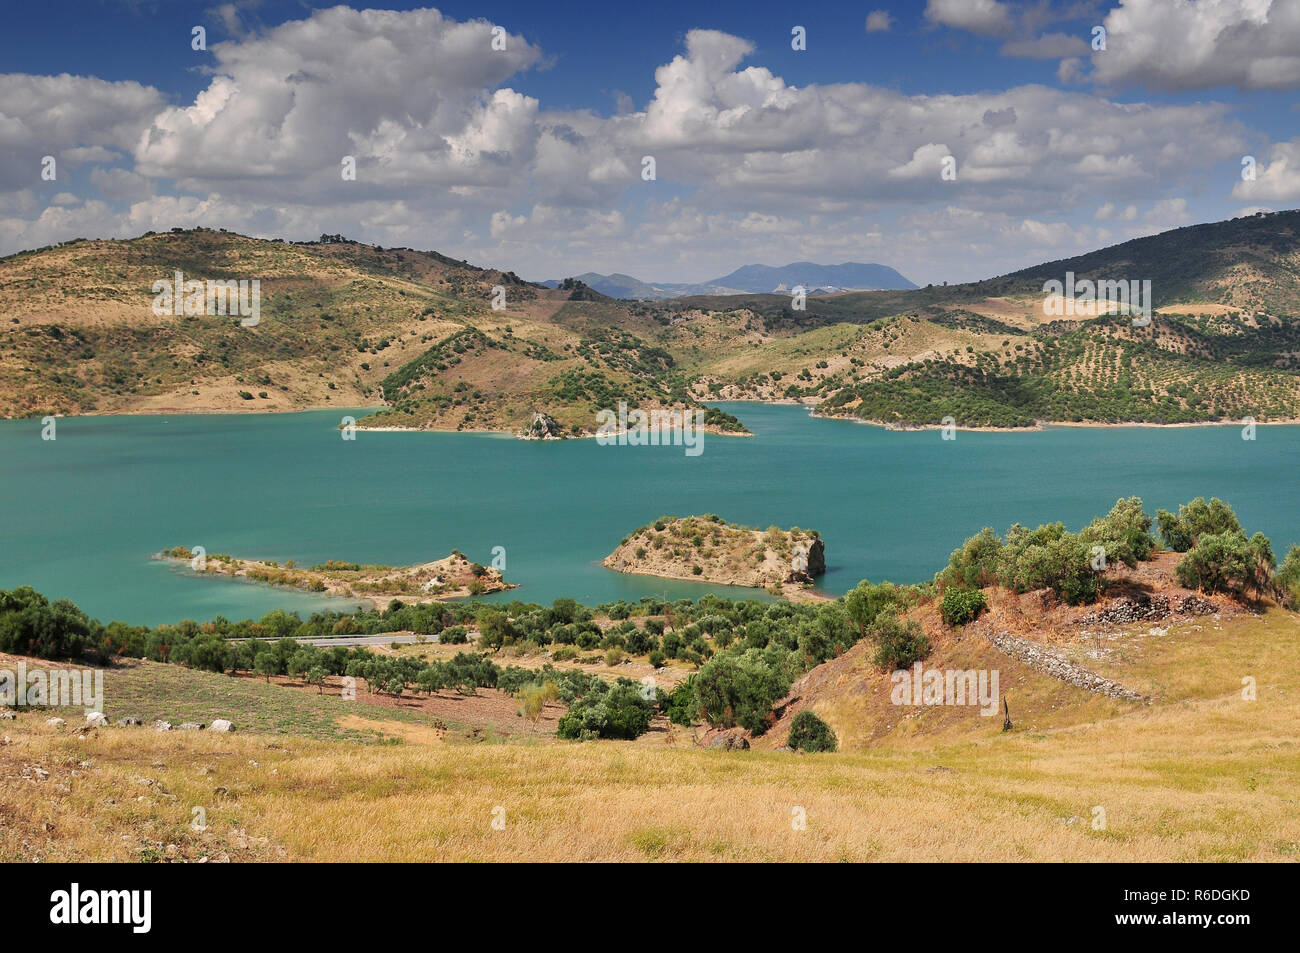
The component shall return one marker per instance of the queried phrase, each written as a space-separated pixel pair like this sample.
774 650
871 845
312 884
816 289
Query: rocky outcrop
542 427
707 549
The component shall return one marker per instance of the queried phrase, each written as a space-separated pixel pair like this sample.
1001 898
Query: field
1200 774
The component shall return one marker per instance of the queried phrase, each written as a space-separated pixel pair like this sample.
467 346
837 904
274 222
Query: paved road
386 638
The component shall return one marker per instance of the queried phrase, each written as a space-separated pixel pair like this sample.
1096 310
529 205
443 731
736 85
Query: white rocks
191 726
162 726
221 725
96 719
55 723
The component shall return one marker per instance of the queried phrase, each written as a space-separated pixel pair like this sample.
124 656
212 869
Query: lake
81 515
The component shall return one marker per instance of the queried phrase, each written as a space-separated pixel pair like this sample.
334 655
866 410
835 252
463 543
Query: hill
428 340
341 324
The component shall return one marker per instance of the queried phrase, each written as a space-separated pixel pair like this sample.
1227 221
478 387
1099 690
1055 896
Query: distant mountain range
753 279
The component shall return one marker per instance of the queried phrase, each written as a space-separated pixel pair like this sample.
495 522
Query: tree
866 601
898 644
741 689
1288 577
495 629
316 676
266 665
960 606
1228 563
1195 519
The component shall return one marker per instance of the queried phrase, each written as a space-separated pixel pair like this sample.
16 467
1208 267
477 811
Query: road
386 638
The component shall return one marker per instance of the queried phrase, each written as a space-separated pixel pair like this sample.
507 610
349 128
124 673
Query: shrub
620 712
898 644
960 606
1288 577
1124 533
741 689
1228 563
454 635
810 733
1195 519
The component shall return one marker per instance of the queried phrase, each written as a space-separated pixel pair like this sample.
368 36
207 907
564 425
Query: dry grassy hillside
346 324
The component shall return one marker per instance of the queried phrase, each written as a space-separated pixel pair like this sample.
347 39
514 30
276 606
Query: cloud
1177 45
749 167
986 17
415 97
1277 180
1049 46
76 119
879 21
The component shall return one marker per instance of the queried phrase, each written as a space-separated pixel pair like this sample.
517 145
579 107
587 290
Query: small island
454 577
708 549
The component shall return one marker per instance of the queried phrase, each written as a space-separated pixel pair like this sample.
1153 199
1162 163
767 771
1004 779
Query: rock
731 740
55 722
1140 608
128 722
96 719
1195 605
221 725
191 726
7 716
162 726
542 427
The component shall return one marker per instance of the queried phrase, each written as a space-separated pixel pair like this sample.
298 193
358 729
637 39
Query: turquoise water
81 515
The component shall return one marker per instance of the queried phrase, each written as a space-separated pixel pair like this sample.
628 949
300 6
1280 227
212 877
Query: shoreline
1039 426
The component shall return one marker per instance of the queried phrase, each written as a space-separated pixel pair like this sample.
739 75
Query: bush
1288 578
620 712
1228 563
960 606
898 644
1180 532
810 733
741 689
453 635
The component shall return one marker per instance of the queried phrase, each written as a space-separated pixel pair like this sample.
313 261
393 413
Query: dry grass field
1201 774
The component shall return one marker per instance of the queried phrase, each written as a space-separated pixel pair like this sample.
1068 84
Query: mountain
416 333
627 288
850 276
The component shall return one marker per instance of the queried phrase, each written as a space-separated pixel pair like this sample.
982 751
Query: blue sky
530 158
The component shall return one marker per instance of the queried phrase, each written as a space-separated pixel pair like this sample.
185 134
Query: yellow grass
1203 775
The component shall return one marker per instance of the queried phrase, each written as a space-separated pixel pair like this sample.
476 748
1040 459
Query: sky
950 139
